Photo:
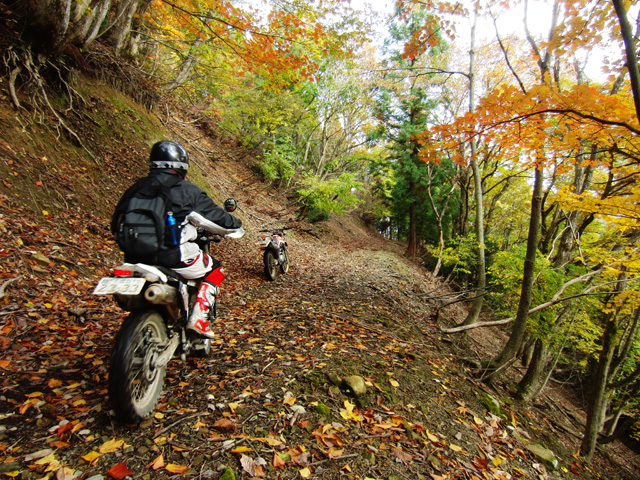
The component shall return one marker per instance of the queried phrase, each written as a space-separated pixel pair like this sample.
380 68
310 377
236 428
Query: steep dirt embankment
268 402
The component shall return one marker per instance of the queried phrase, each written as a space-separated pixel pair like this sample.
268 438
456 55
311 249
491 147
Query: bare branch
554 301
571 111
506 55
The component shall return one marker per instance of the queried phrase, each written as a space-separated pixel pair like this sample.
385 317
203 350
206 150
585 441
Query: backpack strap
151 187
163 190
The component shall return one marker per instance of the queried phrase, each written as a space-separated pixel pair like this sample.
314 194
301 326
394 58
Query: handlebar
206 237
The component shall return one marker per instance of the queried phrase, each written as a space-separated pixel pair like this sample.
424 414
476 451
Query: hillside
267 403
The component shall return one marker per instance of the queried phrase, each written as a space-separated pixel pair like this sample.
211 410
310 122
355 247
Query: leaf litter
269 401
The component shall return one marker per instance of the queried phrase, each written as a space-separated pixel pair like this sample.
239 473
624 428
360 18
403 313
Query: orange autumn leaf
432 437
273 442
225 425
60 444
119 472
111 446
335 452
173 468
25 406
242 449
62 429
91 457
157 463
77 426
278 462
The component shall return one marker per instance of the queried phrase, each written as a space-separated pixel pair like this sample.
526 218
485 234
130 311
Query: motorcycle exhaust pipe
160 294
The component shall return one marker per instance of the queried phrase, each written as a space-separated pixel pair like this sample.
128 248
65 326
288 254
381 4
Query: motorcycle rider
169 163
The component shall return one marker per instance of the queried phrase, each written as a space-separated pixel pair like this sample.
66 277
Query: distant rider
169 165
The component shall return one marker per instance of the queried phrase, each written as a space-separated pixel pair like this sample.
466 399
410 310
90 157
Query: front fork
277 251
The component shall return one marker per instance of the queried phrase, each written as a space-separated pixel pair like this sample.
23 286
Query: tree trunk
528 386
481 267
187 66
127 13
619 430
46 25
87 21
612 425
462 222
439 214
441 247
412 244
598 396
526 292
533 381
630 51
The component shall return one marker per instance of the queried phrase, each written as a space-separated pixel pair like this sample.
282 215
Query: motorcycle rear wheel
135 382
270 265
284 266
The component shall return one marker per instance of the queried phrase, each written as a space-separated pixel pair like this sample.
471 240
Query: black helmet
168 154
230 205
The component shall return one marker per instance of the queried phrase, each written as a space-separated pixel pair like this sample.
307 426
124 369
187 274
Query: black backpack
142 234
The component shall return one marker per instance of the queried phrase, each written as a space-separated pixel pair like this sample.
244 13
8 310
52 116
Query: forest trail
267 403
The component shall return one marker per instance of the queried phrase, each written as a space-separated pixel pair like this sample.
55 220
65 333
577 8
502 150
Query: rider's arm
203 205
216 214
199 221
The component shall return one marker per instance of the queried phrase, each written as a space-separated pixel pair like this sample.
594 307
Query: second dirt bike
159 302
276 251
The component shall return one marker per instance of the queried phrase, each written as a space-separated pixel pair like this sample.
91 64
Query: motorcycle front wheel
135 382
270 265
284 266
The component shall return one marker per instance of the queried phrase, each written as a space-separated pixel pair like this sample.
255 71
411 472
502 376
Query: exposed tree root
12 87
123 77
24 71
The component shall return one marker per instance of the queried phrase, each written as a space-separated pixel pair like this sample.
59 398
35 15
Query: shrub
278 164
322 198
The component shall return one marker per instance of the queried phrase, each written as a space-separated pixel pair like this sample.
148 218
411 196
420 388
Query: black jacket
185 198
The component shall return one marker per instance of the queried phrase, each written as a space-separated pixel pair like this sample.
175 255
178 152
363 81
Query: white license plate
123 286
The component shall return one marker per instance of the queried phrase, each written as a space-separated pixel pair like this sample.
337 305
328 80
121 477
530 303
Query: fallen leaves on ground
254 404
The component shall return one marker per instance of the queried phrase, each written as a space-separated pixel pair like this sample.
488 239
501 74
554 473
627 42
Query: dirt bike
276 252
159 302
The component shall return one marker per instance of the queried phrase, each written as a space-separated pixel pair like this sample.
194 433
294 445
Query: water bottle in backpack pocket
173 238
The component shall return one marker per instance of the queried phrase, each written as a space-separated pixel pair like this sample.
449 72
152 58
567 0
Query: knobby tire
284 266
270 266
134 385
